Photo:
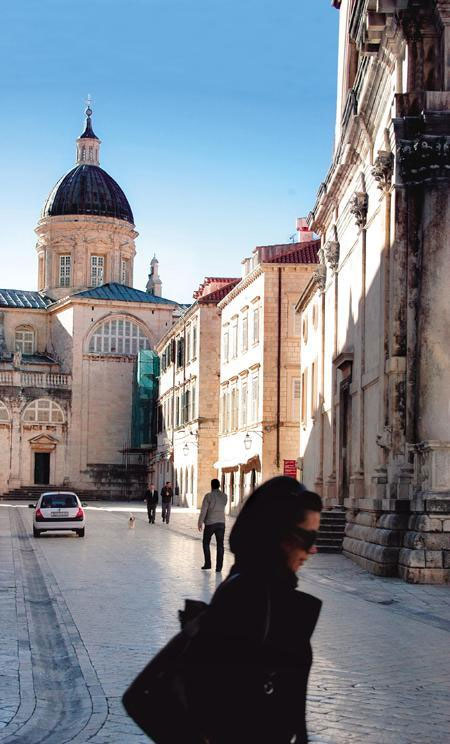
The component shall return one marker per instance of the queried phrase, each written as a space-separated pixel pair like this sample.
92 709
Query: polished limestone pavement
80 617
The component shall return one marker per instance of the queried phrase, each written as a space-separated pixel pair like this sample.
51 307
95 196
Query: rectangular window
177 414
296 386
244 395
65 265
304 395
255 397
227 412
25 342
180 352
124 278
193 403
187 410
188 346
256 325
245 333
226 346
194 343
234 343
159 419
97 270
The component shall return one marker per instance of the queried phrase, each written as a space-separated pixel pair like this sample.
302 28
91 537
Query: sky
216 119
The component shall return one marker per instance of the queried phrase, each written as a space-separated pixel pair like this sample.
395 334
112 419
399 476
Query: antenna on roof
293 237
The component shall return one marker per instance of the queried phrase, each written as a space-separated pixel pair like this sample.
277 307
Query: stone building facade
188 402
375 429
68 350
259 377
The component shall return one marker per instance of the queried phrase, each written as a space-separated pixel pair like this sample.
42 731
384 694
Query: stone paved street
80 617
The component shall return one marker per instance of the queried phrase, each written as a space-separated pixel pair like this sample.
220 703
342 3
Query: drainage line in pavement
63 704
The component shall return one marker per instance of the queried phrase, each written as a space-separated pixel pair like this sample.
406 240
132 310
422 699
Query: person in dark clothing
212 515
254 639
151 497
166 501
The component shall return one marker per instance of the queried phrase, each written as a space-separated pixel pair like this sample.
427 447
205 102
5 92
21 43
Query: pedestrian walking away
212 515
166 501
151 497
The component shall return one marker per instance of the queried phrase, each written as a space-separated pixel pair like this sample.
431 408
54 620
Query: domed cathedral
86 232
77 368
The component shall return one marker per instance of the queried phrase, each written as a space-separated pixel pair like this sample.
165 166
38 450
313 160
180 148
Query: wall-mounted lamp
248 439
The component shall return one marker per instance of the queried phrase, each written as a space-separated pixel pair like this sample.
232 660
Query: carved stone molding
383 168
424 158
319 277
358 208
331 250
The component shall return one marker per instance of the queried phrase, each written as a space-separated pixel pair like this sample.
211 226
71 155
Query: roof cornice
243 284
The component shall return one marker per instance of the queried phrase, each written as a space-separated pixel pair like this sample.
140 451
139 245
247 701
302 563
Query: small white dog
132 522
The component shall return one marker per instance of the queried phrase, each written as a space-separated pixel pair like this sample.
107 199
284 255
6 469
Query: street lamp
248 439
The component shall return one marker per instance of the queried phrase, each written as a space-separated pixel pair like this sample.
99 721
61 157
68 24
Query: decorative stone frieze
359 204
424 158
383 168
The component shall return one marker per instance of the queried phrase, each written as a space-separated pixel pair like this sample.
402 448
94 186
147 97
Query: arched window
43 411
118 336
24 339
4 416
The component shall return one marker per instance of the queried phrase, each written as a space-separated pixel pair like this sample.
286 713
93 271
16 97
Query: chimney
303 231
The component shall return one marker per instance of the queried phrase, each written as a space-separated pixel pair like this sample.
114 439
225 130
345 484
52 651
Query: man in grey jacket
212 514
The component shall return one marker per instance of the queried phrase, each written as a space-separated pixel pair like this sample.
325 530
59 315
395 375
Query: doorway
42 468
345 409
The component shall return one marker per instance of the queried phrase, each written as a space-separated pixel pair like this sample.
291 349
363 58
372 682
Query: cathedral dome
88 189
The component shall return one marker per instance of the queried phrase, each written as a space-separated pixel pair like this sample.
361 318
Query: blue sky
216 118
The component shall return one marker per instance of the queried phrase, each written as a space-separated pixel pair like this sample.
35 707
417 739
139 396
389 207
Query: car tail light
39 514
80 513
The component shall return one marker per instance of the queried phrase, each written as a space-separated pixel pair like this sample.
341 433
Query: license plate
59 514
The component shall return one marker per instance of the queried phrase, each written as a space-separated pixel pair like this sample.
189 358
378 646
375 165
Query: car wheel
36 533
80 533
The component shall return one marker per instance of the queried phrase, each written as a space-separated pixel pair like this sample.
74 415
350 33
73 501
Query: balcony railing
17 378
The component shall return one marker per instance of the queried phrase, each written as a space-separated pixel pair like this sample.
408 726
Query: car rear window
59 501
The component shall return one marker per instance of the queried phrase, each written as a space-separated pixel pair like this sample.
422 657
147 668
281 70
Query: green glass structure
145 394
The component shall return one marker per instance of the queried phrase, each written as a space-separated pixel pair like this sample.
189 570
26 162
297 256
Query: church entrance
42 468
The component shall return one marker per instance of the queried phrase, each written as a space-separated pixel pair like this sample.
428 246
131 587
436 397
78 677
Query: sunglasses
305 538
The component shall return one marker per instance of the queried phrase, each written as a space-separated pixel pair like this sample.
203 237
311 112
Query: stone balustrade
19 378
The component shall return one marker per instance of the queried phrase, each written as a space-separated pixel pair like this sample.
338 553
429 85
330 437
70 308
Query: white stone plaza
79 618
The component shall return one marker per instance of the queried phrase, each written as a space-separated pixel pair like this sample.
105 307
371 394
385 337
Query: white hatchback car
57 511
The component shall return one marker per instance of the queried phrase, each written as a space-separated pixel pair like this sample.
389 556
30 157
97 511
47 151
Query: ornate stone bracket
425 158
358 207
383 169
319 277
331 250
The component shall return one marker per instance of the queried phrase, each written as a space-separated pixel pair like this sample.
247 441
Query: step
329 535
332 520
328 549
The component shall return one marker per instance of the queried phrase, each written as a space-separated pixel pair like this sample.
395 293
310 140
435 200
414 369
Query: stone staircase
32 493
332 530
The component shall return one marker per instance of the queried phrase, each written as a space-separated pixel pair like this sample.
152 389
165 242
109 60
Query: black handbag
157 700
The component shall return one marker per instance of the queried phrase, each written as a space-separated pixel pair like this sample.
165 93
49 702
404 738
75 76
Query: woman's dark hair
268 516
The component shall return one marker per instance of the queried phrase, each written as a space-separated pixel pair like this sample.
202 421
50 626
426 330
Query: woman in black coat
252 656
